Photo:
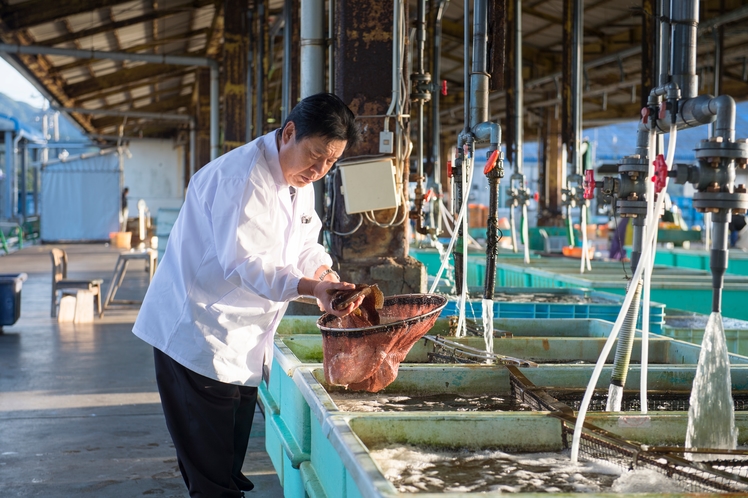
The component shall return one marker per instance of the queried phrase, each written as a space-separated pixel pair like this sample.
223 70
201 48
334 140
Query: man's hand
324 298
312 287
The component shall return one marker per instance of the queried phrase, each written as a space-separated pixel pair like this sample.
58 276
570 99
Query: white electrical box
368 184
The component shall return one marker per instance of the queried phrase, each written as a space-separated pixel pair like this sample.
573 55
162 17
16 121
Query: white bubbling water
488 324
418 469
615 398
711 416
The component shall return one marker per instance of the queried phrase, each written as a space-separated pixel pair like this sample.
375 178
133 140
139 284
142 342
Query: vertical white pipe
193 139
214 146
8 209
312 47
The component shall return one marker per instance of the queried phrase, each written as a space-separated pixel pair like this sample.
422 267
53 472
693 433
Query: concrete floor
79 408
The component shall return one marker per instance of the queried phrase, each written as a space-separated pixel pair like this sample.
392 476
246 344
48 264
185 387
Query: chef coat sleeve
313 254
248 245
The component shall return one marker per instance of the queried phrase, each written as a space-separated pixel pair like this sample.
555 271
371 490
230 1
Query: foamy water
615 398
711 416
416 469
488 324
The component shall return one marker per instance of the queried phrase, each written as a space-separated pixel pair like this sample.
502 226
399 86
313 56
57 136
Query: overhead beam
34 12
117 79
133 50
156 107
130 114
151 16
161 78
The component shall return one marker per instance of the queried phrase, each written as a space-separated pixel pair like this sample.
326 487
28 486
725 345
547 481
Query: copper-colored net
367 358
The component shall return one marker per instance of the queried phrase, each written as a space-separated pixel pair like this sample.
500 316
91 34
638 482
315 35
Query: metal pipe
465 68
250 56
214 145
663 46
286 91
313 69
718 256
8 208
576 76
312 47
129 114
685 16
35 191
193 139
180 60
435 121
260 70
518 89
24 162
479 76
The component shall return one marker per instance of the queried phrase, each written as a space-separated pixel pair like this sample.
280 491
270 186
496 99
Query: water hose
513 230
626 341
649 238
648 248
525 234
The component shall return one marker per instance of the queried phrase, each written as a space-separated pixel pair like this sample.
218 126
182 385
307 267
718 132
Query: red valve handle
645 114
660 176
589 184
663 110
491 163
444 87
428 195
449 169
536 196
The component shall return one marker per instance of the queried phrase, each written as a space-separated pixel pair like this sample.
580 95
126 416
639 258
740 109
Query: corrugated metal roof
194 27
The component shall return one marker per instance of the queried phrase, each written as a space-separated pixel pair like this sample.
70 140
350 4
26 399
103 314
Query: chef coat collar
273 160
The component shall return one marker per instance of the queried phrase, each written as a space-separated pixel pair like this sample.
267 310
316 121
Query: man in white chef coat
243 246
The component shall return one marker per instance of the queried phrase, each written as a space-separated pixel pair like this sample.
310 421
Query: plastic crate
607 308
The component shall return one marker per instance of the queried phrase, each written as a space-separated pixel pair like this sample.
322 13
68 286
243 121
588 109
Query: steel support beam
150 58
363 72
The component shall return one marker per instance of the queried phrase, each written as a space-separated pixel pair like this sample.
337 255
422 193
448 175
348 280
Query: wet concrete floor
79 408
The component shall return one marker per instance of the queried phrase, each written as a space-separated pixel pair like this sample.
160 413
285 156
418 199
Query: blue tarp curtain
80 199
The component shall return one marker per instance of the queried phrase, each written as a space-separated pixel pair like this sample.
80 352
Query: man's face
308 160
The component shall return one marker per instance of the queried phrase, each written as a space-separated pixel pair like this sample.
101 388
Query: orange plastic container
576 252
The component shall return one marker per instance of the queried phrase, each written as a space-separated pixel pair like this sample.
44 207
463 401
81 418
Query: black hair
324 115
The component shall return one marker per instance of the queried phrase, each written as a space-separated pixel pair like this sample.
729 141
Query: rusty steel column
649 41
235 48
363 80
550 214
202 146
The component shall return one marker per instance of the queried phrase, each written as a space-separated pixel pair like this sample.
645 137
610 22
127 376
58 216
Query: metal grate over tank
725 471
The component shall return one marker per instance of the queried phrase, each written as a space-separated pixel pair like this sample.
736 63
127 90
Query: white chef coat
234 259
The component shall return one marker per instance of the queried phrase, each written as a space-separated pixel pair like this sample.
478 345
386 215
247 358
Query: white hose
461 328
526 234
461 219
585 259
647 248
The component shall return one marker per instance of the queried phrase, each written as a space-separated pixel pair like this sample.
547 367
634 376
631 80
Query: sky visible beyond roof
17 87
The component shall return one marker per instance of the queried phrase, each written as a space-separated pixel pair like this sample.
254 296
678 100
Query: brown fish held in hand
367 313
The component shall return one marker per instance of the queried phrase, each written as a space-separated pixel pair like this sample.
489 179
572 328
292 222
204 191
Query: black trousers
209 422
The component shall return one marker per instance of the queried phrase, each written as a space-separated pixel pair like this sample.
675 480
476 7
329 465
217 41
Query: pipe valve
661 173
589 184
